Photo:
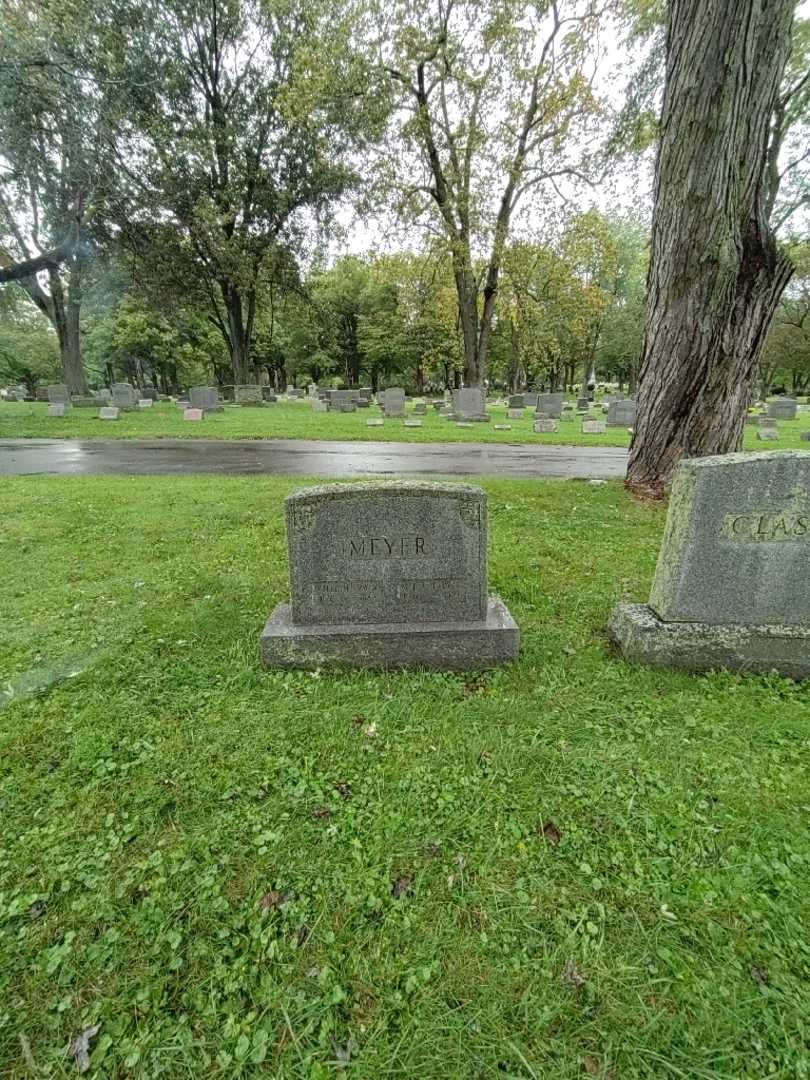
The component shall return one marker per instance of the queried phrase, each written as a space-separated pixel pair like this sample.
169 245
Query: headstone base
645 639
455 646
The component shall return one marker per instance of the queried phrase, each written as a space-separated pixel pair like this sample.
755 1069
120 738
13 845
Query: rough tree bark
716 274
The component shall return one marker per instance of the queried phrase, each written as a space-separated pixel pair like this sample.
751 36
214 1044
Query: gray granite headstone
731 588
58 409
621 414
205 398
517 401
248 394
58 394
551 404
123 396
470 404
545 426
108 412
394 401
768 433
593 427
389 575
783 408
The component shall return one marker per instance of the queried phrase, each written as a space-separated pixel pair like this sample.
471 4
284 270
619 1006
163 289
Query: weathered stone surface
593 427
543 427
377 422
412 423
205 398
693 646
767 434
420 409
123 396
515 414
193 414
248 394
58 409
388 574
551 404
145 403
737 543
58 394
394 401
440 646
470 404
731 588
783 408
502 427
621 414
320 406
108 412
88 402
517 401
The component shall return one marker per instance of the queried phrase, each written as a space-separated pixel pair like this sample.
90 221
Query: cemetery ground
567 866
297 420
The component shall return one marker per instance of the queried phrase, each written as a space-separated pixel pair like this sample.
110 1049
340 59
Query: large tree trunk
65 312
238 339
467 293
715 273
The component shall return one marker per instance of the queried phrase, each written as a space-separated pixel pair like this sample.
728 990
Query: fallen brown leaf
400 887
270 900
760 975
592 1065
343 789
552 833
322 812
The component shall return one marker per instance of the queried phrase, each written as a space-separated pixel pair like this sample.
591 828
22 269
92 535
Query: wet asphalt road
21 457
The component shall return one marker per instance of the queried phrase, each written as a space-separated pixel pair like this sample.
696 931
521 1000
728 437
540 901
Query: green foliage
29 351
149 346
785 358
566 867
244 130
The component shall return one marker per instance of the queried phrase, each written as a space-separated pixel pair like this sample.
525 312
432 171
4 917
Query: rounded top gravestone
389 574
387 553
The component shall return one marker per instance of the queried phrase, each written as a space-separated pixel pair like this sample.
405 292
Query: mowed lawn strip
564 867
296 420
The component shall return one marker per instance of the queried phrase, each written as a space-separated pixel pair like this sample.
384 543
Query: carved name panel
736 549
387 553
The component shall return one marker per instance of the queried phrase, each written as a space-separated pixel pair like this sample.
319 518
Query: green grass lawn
562 868
296 420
